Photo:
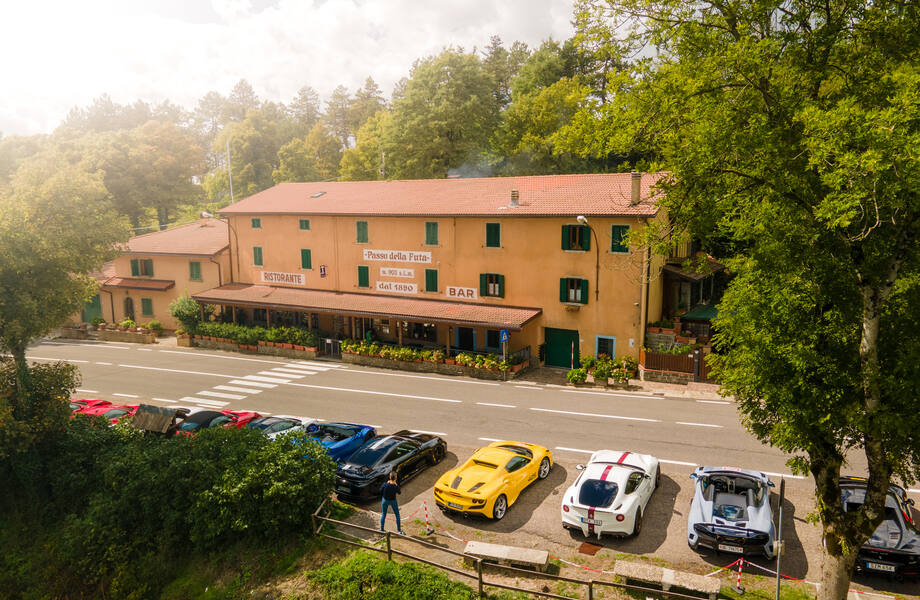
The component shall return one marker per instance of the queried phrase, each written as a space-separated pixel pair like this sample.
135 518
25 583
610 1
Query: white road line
913 491
145 349
581 414
108 364
498 405
273 374
441 433
271 362
71 360
87 391
176 371
221 395
203 401
230 388
587 392
301 367
574 450
319 364
677 462
127 395
452 380
255 383
266 379
713 401
700 424
163 400
335 389
300 372
105 345
490 440
527 387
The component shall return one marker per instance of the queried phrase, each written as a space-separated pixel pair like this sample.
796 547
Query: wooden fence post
389 548
591 590
479 575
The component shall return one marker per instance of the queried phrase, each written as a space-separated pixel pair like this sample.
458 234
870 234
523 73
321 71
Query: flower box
287 346
449 361
311 348
301 348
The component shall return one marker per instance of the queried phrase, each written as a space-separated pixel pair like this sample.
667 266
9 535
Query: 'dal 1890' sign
397 286
276 277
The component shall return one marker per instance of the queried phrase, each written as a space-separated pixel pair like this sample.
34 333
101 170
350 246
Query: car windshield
371 453
332 433
115 413
267 423
595 492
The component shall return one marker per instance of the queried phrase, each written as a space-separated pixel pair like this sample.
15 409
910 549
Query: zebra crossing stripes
267 379
222 395
287 376
232 388
250 383
299 372
319 365
202 401
302 368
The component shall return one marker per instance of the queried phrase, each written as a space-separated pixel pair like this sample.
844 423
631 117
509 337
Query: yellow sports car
493 478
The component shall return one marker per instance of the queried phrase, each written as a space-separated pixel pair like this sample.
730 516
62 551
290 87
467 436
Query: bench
667 578
508 555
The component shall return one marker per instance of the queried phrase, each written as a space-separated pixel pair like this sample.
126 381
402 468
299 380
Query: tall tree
313 158
367 160
502 65
254 145
241 100
106 115
207 118
305 110
789 130
337 115
367 101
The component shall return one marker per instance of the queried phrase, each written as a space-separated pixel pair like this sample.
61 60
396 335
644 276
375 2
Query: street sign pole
779 534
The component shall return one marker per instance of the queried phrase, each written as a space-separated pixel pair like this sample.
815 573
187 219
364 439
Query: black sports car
407 453
894 547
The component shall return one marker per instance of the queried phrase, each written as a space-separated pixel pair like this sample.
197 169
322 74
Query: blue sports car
340 439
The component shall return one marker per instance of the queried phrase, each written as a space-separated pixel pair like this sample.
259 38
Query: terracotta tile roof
106 272
206 237
399 307
701 266
139 284
544 195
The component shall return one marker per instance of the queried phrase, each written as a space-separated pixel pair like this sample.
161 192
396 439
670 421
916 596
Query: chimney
515 196
636 196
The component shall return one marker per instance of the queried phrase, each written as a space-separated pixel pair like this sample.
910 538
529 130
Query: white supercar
611 494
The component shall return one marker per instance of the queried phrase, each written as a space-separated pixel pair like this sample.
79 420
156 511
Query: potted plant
577 376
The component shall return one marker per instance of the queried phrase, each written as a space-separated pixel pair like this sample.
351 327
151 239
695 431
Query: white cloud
63 54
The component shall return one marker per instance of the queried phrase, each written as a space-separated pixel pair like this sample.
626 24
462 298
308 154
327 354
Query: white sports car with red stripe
611 493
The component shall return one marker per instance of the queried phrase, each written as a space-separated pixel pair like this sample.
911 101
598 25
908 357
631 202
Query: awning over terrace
370 305
139 284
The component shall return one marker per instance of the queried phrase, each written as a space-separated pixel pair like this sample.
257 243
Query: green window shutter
305 224
483 284
586 236
364 279
563 290
148 267
501 286
306 261
565 237
194 270
256 223
257 256
361 231
135 270
618 235
431 280
493 235
147 307
584 291
431 234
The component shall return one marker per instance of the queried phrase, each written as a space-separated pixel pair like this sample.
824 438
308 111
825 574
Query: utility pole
229 171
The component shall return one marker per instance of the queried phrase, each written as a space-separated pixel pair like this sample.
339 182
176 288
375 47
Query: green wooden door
92 309
560 346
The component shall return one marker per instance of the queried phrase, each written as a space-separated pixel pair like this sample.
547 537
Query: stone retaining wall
74 334
261 349
426 367
131 337
665 376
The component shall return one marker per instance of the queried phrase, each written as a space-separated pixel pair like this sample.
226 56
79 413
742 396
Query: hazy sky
60 54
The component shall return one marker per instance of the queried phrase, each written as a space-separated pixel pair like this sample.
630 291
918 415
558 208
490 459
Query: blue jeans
384 505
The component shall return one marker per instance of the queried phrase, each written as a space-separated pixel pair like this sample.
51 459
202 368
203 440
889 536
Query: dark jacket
389 490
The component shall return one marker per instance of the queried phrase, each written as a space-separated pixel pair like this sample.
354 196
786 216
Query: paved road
682 432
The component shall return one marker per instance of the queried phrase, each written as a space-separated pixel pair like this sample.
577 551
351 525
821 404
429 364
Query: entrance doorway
129 308
465 338
562 348
92 309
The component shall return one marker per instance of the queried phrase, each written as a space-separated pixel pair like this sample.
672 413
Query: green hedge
242 334
467 359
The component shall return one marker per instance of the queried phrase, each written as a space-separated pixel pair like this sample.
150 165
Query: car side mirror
647 476
312 428
692 475
580 467
909 501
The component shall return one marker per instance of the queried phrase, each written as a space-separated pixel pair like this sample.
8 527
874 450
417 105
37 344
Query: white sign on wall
290 278
397 286
397 255
394 272
461 292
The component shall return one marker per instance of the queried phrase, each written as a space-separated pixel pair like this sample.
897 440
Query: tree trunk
835 575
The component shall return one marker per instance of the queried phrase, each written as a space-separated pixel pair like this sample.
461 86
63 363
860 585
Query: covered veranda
416 322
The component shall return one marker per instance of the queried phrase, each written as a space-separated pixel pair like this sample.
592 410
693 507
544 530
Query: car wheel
500 507
637 524
657 477
436 456
545 467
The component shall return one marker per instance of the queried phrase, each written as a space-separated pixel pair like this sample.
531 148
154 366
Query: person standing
388 500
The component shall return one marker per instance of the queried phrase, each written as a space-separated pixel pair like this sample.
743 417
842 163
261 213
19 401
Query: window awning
370 305
140 284
701 312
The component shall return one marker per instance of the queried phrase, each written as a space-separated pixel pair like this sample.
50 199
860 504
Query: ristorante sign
289 278
397 256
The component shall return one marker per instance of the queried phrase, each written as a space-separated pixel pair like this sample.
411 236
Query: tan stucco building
450 262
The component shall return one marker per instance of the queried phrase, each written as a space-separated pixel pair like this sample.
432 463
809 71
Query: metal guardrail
478 563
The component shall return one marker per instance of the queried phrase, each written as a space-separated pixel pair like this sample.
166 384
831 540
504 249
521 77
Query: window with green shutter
305 224
431 233
618 235
147 307
306 261
257 256
135 267
361 231
573 290
576 237
256 223
431 280
194 270
493 235
491 285
142 267
364 279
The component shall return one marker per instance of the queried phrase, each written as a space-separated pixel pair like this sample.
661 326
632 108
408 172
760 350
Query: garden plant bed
428 367
261 348
131 337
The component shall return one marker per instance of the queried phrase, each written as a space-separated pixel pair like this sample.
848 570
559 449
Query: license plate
342 488
728 548
452 505
880 567
591 521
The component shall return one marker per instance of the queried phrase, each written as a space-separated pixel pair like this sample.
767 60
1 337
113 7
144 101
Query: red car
112 412
204 418
79 404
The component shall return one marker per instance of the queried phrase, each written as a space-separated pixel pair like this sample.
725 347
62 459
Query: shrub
127 324
628 363
155 326
577 375
97 321
587 361
602 371
187 312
